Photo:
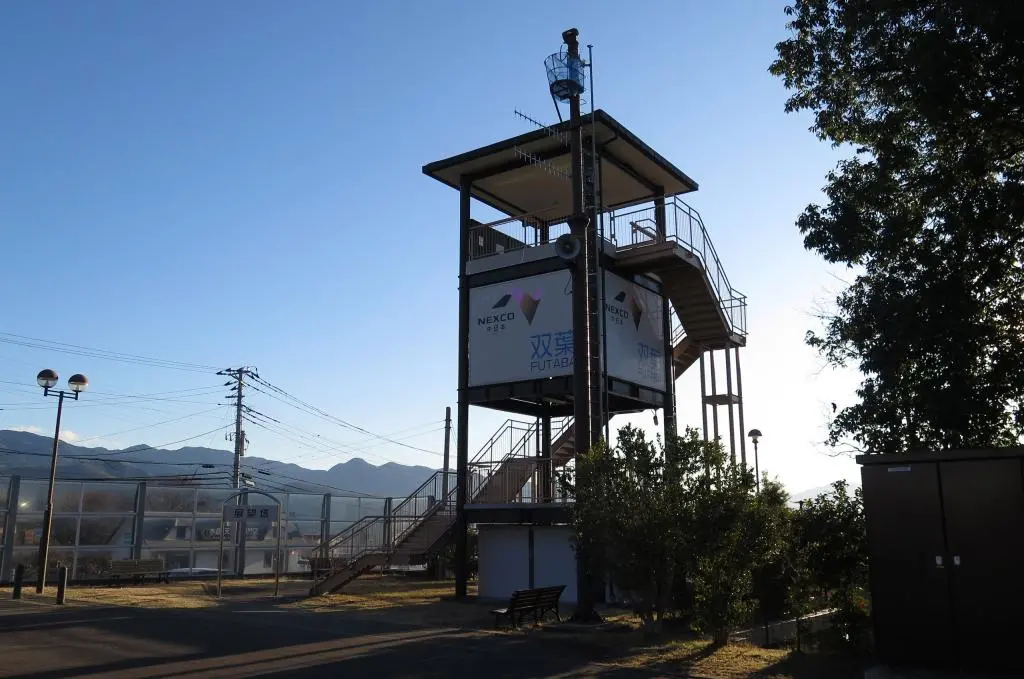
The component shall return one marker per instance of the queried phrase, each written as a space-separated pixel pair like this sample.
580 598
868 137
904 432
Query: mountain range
28 455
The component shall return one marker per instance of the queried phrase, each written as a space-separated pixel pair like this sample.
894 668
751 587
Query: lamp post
77 383
755 436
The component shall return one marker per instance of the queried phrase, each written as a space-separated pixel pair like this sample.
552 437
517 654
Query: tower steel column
661 224
578 228
729 397
739 396
462 442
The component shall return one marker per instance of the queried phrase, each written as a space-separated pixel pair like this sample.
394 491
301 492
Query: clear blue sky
230 182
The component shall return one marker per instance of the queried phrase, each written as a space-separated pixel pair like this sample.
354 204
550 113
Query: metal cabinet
946 545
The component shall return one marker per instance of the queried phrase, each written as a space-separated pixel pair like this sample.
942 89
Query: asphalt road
44 641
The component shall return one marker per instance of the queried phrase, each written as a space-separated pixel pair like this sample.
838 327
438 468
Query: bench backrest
549 596
527 599
123 566
150 565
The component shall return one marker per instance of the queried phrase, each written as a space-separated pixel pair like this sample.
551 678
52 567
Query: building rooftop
529 174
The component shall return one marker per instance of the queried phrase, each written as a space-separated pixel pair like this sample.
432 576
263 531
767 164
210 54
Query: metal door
984 509
909 575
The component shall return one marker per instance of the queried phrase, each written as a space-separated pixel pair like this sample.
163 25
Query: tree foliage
831 558
649 516
625 518
929 208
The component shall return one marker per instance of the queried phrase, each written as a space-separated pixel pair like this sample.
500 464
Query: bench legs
538 616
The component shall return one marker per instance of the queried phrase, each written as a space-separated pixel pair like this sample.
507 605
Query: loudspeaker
568 247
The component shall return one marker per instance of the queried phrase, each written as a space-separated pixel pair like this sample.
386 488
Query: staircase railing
383 533
684 226
436 494
370 534
515 466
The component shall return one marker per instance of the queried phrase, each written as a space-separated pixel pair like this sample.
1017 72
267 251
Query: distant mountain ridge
32 459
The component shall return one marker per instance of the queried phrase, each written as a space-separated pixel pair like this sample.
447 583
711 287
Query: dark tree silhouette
928 209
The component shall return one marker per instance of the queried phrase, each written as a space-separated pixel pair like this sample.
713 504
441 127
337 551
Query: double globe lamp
77 383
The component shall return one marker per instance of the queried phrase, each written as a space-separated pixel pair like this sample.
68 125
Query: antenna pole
578 228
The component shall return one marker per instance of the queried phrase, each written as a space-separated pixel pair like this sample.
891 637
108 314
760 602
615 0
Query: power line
299 404
142 449
148 426
79 350
355 493
346 492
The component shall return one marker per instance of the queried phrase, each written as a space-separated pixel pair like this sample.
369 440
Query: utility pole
237 385
447 448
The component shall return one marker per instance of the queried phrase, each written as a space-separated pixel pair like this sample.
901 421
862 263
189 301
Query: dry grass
621 642
174 595
697 656
401 599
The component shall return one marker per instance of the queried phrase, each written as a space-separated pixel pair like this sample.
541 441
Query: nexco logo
497 318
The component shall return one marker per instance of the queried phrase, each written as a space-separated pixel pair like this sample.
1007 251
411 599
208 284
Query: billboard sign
521 329
635 337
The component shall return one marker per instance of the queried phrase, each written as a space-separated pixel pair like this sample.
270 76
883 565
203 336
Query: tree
830 544
653 518
626 519
735 534
929 208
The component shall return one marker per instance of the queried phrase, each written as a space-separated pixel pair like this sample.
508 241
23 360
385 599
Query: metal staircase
708 314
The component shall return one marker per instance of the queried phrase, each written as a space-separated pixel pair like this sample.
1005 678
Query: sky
239 183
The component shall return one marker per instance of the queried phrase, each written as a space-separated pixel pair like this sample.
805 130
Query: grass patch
622 643
737 661
401 599
173 595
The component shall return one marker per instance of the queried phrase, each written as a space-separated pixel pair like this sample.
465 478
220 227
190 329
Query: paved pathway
44 641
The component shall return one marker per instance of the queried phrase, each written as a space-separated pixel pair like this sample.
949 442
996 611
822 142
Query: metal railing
435 495
500 477
683 226
510 235
506 467
383 534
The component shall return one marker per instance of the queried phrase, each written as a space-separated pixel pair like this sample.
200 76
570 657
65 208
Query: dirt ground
617 645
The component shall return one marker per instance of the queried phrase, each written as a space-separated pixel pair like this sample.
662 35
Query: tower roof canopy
531 174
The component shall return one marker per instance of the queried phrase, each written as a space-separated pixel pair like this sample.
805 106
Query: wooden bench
137 569
538 601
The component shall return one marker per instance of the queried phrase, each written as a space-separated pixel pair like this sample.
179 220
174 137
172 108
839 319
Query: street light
47 379
755 436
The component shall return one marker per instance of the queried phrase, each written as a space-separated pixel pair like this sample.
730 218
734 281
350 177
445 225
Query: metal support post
714 393
739 396
44 539
462 439
703 394
547 464
62 583
140 515
666 329
14 489
19 577
729 395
